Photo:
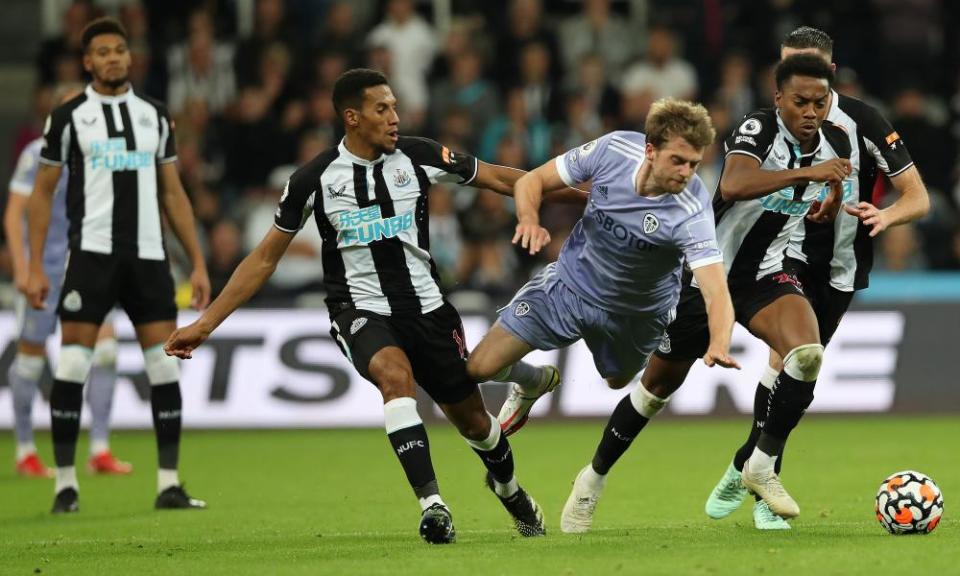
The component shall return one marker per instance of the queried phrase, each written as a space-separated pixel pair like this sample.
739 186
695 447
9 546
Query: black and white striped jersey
112 146
843 250
754 234
373 219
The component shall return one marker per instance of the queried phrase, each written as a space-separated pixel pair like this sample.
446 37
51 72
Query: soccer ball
909 502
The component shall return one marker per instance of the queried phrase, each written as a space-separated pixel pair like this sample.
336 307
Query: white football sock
166 479
66 478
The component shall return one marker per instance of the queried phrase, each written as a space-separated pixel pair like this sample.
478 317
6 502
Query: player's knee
803 362
161 369
479 427
617 382
480 369
74 364
105 353
646 402
28 366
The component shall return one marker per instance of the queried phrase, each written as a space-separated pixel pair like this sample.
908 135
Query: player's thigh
89 289
146 291
360 335
786 323
498 349
621 345
544 314
438 354
664 375
79 333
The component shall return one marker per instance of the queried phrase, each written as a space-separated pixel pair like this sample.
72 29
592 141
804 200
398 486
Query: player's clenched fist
834 170
38 286
184 340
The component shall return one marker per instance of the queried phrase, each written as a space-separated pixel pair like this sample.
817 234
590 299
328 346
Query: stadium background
516 82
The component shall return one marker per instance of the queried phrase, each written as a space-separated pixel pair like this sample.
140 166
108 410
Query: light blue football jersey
24 175
626 253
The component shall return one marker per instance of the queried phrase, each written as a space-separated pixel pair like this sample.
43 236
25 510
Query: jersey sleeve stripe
628 144
745 153
476 168
684 203
692 199
561 163
626 154
900 171
718 259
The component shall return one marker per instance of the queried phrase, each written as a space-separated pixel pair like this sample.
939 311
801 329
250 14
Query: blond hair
669 118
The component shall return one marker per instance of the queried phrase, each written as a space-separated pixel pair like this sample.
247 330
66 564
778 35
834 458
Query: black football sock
66 403
622 427
167 405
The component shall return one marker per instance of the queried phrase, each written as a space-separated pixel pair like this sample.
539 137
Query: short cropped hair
807 37
105 25
803 65
349 87
669 118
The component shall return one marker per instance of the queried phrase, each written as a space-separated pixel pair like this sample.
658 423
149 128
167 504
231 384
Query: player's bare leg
660 379
163 372
789 326
66 403
482 432
498 357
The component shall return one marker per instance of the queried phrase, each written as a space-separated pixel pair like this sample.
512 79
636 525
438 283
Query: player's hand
718 357
870 215
200 284
531 236
185 340
834 170
826 211
38 286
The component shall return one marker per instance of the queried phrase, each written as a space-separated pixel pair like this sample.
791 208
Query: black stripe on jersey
388 254
862 242
334 270
124 185
76 203
422 216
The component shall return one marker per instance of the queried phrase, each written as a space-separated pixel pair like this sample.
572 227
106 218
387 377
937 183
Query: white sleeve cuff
282 229
21 188
562 170
706 261
49 162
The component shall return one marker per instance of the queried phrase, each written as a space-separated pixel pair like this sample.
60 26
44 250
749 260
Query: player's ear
649 151
87 62
776 98
351 117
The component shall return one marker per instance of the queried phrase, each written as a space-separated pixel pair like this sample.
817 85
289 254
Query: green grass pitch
336 502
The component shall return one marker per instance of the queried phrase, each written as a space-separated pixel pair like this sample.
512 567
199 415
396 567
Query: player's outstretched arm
252 273
913 204
502 179
743 179
177 206
712 280
38 214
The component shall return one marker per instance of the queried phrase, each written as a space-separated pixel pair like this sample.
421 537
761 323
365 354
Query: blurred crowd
515 83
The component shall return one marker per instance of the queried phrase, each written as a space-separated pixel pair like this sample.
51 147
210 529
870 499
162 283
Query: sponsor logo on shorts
72 301
357 324
784 278
522 309
461 343
664 344
650 223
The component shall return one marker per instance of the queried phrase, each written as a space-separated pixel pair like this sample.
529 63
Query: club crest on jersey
72 301
650 223
401 178
751 127
357 324
522 309
336 192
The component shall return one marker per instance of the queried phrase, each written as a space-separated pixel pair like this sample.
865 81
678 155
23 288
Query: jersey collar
94 95
834 105
789 137
342 147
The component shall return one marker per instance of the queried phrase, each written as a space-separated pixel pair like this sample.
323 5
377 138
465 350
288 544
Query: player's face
803 103
108 60
378 121
673 164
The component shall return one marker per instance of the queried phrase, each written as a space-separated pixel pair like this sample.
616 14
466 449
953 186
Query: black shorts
433 342
94 283
688 336
829 304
